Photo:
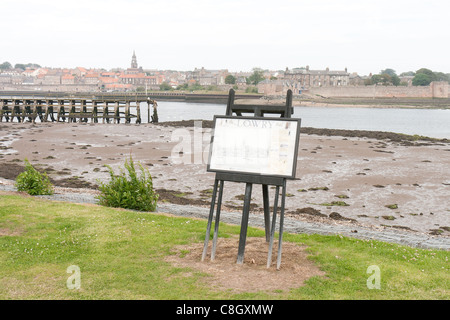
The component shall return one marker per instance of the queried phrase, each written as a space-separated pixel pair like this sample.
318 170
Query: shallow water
426 122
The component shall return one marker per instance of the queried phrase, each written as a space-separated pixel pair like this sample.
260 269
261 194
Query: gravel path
412 239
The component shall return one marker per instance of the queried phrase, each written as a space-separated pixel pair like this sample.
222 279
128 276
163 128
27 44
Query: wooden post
210 218
127 112
72 110
116 112
216 224
265 192
34 109
138 112
46 111
24 110
15 111
83 111
2 103
272 230
94 112
49 111
244 223
280 238
61 111
148 110
105 112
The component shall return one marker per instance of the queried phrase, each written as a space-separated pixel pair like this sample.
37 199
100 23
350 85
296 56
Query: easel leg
280 240
244 223
272 230
265 191
216 224
211 213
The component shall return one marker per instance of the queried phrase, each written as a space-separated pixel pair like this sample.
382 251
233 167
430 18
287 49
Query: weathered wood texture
71 110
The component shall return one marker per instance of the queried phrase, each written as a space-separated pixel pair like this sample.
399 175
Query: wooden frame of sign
253 150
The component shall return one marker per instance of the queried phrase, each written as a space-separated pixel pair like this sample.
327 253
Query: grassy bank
121 256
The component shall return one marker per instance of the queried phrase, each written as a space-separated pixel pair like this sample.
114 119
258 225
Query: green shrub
128 190
33 182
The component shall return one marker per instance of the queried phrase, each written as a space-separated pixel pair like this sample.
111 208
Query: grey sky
364 36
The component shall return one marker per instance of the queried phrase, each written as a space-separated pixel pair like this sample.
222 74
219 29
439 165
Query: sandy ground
366 174
253 275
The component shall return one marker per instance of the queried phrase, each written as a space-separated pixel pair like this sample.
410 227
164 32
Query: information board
254 145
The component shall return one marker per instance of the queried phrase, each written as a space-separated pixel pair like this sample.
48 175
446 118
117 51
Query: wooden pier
74 109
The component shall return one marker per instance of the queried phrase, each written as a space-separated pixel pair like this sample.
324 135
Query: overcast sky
238 35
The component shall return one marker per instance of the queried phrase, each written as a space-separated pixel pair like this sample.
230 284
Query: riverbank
376 181
354 102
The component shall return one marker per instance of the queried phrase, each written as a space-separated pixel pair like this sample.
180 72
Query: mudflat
379 180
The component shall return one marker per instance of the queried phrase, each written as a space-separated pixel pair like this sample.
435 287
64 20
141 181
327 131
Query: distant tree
440 76
256 77
395 80
421 79
383 79
230 79
376 79
183 86
390 72
28 65
426 71
409 73
19 66
386 77
196 86
424 77
368 82
165 86
5 65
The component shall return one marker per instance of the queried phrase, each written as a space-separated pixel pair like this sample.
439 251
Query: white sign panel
264 146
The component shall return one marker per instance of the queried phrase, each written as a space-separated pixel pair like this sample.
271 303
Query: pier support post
94 112
61 111
83 111
1 110
116 113
72 111
138 112
34 110
105 113
23 108
127 112
16 111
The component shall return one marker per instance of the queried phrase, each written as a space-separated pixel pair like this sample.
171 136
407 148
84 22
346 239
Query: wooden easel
284 111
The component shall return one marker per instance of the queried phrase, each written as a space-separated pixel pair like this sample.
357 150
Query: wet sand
381 181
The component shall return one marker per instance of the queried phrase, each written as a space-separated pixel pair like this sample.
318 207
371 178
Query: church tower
134 64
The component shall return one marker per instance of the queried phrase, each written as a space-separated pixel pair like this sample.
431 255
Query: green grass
121 254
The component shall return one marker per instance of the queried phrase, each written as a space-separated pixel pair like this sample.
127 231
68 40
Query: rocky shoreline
291 225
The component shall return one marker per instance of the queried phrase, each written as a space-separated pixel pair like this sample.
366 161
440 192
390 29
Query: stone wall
434 90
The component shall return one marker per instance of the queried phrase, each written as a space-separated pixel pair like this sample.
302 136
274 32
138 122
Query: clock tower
134 64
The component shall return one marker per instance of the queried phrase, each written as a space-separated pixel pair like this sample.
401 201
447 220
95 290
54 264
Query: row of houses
135 77
94 77
117 79
131 78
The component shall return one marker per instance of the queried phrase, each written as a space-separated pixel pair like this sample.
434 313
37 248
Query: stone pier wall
434 90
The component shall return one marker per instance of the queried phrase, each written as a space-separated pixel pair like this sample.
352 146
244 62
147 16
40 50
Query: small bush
128 190
33 182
